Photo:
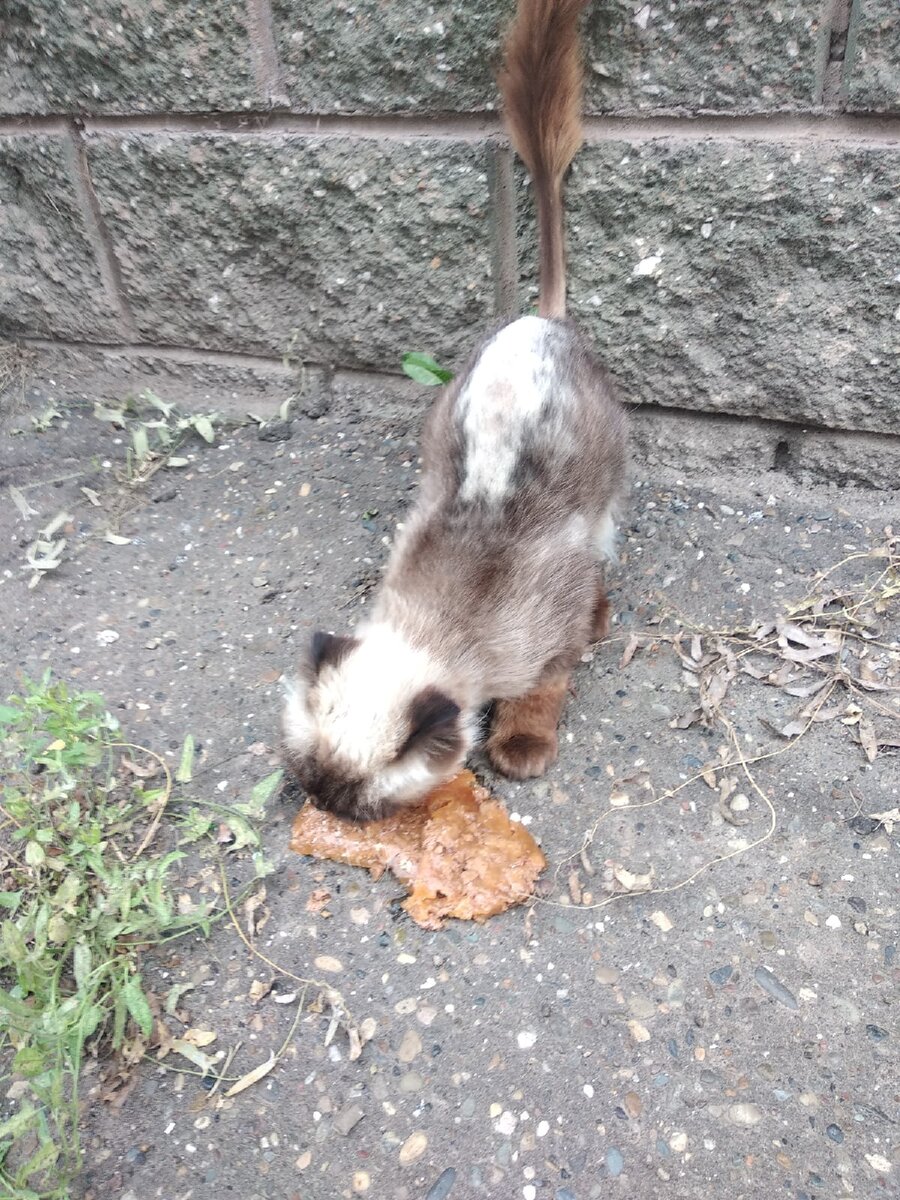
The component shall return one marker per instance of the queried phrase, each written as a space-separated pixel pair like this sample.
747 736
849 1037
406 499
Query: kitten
494 588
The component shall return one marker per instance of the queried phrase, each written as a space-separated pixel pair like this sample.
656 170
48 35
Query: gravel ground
733 1032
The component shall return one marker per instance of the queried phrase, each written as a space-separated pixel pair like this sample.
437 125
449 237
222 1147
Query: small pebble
678 1142
348 1118
360 1182
410 1046
835 1133
833 922
633 1104
543 1128
325 962
526 1039
776 989
721 975
440 1189
505 1124
878 1163
876 1033
614 1162
413 1148
745 1114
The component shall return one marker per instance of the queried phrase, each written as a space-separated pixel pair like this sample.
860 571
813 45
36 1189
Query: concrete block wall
224 189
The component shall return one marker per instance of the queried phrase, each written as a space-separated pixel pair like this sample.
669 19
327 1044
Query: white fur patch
362 704
506 393
299 727
605 537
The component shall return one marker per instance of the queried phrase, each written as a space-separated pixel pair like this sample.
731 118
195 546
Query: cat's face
368 729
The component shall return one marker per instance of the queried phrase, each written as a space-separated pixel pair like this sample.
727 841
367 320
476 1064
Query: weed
424 369
81 900
154 442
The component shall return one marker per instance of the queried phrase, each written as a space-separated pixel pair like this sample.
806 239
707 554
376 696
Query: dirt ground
733 1032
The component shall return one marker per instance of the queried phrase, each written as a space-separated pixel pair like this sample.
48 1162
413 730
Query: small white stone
588 1090
505 1124
647 266
543 1128
526 1039
833 922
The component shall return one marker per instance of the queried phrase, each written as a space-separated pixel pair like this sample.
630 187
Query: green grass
83 892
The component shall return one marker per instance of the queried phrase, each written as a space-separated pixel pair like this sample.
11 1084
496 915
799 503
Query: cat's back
533 416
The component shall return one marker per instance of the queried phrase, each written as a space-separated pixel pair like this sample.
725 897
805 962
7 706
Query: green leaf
105 413
91 1019
174 994
194 826
204 427
34 854
177 462
152 398
29 1061
58 929
68 892
81 965
42 1159
15 1008
8 716
244 834
14 947
18 1122
10 900
140 443
185 772
137 1005
261 795
423 369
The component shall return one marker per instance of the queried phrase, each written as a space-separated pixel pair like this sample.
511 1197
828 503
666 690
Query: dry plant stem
324 987
741 761
161 803
859 596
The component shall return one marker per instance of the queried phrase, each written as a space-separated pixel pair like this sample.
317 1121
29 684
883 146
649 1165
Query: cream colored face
366 730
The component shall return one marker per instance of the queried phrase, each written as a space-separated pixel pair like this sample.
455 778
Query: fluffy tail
541 83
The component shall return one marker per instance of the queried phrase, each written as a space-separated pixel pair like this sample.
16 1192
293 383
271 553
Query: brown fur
541 83
523 740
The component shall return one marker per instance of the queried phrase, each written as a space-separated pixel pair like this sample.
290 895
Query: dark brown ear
434 726
328 650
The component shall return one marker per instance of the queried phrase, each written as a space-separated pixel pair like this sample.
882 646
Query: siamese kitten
494 588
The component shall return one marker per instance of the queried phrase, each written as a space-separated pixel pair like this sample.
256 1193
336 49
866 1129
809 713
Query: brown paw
522 755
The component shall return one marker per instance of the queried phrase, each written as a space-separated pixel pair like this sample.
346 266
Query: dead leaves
824 647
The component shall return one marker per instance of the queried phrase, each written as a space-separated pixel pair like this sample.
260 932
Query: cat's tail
541 83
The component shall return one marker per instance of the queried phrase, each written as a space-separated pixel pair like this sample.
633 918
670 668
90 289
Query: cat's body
493 590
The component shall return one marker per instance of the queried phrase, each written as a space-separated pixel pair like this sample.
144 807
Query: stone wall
239 186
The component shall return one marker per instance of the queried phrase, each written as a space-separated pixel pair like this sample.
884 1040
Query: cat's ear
327 650
435 727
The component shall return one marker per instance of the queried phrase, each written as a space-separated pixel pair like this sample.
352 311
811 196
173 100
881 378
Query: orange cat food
458 852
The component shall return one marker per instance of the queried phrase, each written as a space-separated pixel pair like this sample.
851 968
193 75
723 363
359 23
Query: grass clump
82 893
